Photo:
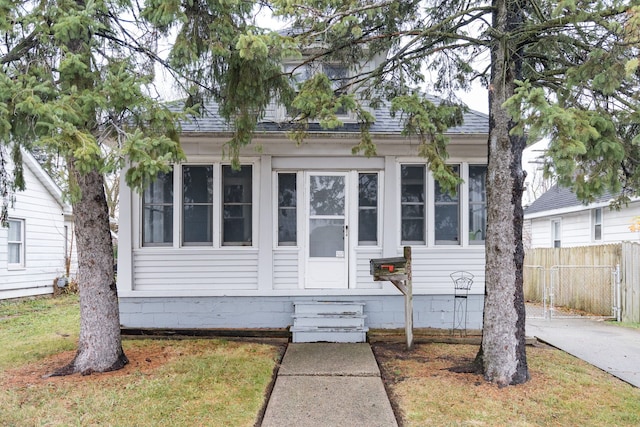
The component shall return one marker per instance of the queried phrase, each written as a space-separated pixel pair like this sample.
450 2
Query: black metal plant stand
462 281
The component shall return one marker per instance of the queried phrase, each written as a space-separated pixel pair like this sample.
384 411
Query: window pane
368 226
158 224
237 224
326 195
287 229
598 232
157 213
447 214
368 189
368 209
197 204
477 203
197 223
15 231
412 230
14 253
412 184
287 190
197 184
412 196
326 237
446 223
287 202
160 190
237 210
237 184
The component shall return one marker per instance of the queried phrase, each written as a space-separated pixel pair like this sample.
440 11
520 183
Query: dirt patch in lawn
144 360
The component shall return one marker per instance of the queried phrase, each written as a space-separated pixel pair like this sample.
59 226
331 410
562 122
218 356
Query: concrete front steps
329 321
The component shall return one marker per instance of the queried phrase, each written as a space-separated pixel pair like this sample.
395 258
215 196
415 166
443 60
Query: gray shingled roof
475 122
558 197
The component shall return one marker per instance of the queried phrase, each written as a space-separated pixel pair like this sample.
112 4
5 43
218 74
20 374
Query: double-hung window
556 233
412 204
157 211
367 209
287 209
597 223
477 204
237 206
447 214
16 243
197 205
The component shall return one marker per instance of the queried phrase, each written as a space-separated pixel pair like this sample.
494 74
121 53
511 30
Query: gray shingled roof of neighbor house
558 197
475 123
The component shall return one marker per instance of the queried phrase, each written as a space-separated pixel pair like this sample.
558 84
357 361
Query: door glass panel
326 195
326 238
327 215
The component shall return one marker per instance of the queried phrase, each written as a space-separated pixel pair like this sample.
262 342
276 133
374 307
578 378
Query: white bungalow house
558 219
38 239
209 247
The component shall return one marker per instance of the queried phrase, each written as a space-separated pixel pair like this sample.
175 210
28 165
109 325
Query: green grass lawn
204 382
214 382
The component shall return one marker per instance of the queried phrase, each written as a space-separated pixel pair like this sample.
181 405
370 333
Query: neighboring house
206 246
39 236
558 219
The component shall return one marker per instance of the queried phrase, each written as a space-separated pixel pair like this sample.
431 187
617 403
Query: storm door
327 230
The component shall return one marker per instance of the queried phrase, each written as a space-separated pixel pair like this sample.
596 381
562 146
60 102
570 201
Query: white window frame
459 204
21 264
556 233
378 207
427 203
218 207
595 224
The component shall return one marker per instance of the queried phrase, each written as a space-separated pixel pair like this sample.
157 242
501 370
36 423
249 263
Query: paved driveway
611 348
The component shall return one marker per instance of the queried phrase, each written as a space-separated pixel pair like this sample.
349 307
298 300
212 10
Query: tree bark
100 344
503 352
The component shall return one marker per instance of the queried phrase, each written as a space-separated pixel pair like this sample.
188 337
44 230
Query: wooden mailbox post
398 271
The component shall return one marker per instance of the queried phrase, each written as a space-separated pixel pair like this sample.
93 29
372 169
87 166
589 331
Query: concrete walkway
611 348
329 385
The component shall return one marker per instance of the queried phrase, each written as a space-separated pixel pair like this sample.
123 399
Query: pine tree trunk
100 345
503 352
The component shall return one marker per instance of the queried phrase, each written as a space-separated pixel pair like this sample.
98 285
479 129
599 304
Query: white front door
327 230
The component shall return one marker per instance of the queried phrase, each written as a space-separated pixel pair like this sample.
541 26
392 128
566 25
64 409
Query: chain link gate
580 290
535 291
572 290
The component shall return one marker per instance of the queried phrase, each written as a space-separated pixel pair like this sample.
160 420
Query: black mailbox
387 266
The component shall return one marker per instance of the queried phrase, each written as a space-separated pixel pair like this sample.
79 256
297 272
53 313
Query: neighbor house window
197 204
477 204
287 209
447 214
412 204
16 242
237 205
555 233
157 211
597 224
368 209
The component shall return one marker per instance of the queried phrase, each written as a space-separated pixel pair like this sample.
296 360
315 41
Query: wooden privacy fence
589 288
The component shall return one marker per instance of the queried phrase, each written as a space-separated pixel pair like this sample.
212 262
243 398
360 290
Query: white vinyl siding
578 227
364 280
195 269
431 268
286 272
44 241
15 243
